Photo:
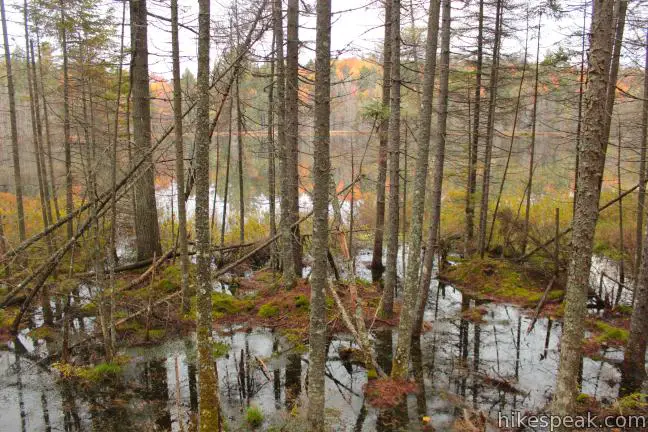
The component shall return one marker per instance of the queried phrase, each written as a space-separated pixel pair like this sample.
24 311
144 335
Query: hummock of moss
498 280
268 310
90 374
609 334
43 333
254 416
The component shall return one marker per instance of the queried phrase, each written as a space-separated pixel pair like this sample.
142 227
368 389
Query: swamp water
492 366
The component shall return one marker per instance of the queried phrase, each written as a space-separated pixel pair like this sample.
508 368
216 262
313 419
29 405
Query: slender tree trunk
393 208
48 136
179 163
634 369
69 200
581 85
412 287
592 162
474 143
490 130
621 233
272 195
377 266
291 178
148 231
642 170
279 107
208 409
515 119
227 171
14 129
321 172
239 145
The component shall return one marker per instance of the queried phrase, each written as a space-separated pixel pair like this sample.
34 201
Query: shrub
254 416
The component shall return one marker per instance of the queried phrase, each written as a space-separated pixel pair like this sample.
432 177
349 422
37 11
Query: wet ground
492 366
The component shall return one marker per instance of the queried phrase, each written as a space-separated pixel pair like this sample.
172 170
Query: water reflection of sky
457 357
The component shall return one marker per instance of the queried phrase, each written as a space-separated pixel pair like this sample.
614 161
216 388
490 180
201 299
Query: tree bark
633 368
321 172
69 199
291 150
377 266
279 108
272 200
179 162
412 288
147 228
474 144
642 169
490 130
592 162
14 129
208 409
239 145
393 209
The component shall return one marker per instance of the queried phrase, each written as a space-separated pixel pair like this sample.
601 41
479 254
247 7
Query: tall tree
641 199
411 290
590 172
634 368
279 108
239 145
474 144
14 129
179 154
63 38
208 409
490 129
377 266
394 172
290 212
432 245
321 172
146 221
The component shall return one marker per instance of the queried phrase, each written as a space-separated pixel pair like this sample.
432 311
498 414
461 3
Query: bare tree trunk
634 368
179 163
412 288
291 178
227 171
474 144
69 199
393 208
490 130
377 266
272 195
321 172
48 137
515 120
581 86
239 145
14 129
621 234
592 162
642 170
148 231
280 112
208 410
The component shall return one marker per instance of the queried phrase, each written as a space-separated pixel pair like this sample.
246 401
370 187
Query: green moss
225 304
166 286
43 333
623 309
302 302
268 310
633 402
610 333
91 374
154 335
582 398
254 416
89 309
220 349
372 374
330 303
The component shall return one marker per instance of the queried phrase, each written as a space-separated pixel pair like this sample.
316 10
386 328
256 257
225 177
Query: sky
357 29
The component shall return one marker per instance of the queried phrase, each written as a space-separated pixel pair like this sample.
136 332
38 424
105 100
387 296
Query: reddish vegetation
388 393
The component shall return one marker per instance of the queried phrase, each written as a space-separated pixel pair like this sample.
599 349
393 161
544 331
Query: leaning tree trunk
377 266
208 408
179 152
411 290
146 221
592 162
14 129
634 369
534 121
394 150
321 169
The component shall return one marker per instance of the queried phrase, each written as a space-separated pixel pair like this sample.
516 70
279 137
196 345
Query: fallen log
540 305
